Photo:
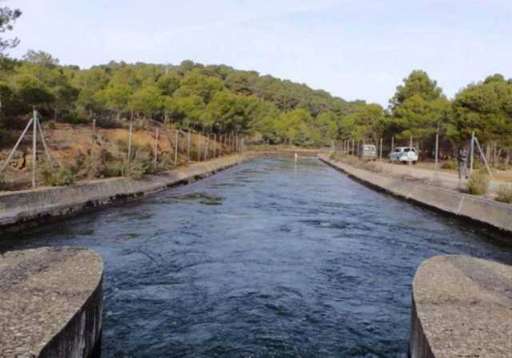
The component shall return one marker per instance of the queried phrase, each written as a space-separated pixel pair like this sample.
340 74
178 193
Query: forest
220 99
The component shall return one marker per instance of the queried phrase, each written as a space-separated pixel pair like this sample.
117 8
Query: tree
41 58
7 19
146 100
196 84
115 97
486 109
418 107
418 83
366 123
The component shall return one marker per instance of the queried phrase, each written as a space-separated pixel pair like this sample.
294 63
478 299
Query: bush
3 185
57 176
504 194
451 165
478 183
502 166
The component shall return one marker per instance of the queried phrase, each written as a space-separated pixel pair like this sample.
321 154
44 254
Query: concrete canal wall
51 303
478 209
461 308
29 206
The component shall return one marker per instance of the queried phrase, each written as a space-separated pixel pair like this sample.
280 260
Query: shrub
57 176
504 194
3 184
478 183
451 165
502 166
113 169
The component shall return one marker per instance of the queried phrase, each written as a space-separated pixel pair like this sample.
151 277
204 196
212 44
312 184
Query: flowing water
267 259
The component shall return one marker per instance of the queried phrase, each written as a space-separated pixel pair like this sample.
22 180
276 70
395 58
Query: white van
404 155
368 152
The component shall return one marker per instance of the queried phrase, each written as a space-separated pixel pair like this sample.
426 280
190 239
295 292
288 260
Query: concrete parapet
41 204
50 303
478 209
462 307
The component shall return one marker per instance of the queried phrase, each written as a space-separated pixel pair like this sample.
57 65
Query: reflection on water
268 259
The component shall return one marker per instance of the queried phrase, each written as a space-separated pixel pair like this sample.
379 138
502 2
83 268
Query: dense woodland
220 99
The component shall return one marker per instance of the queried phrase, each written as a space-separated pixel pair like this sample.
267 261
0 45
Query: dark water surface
268 259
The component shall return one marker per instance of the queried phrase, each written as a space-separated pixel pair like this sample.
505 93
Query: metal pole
380 149
393 143
215 145
34 149
482 155
471 152
11 154
188 145
410 146
176 148
130 141
41 135
156 148
437 150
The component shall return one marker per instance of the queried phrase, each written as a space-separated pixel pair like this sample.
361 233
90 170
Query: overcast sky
355 49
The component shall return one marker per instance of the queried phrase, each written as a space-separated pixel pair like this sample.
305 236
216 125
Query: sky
355 49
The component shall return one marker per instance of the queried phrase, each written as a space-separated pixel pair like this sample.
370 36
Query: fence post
471 152
410 146
176 147
130 142
155 157
34 148
188 145
437 150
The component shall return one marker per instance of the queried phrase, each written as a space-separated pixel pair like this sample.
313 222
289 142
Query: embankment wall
482 210
31 206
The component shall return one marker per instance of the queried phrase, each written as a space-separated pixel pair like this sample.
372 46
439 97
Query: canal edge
22 209
482 211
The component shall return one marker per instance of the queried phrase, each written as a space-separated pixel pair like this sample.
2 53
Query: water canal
267 259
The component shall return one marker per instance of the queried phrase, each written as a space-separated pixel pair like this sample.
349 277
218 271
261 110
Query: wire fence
163 148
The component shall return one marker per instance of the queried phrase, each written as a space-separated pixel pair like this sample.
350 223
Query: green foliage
504 194
418 107
56 176
367 123
418 83
450 165
486 109
7 18
478 183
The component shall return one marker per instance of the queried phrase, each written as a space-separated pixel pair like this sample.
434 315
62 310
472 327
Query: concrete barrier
29 206
477 209
50 303
462 307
